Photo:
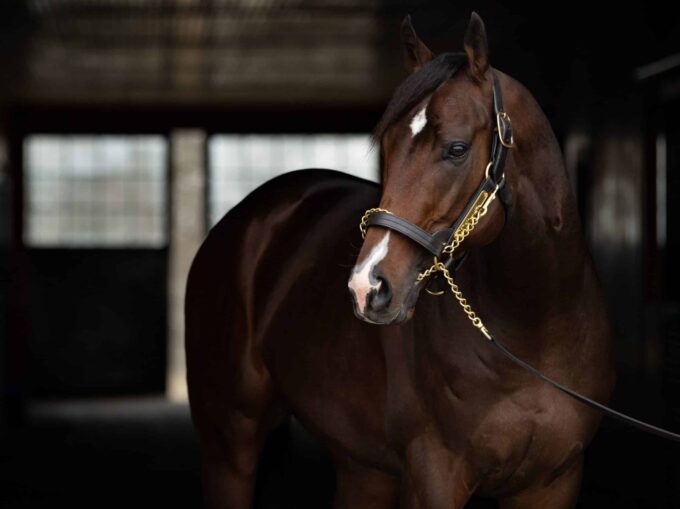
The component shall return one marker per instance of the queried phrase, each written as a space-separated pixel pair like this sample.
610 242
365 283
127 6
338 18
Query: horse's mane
417 86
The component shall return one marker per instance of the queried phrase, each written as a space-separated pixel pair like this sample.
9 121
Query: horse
415 408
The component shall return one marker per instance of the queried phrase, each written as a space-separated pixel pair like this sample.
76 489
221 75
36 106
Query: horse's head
435 138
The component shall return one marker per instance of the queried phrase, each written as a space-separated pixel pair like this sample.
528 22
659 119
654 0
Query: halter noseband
439 243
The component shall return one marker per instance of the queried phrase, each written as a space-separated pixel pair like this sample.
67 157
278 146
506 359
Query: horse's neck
536 267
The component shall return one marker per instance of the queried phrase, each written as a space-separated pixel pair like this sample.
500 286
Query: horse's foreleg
561 493
434 477
363 487
233 408
225 485
229 462
233 401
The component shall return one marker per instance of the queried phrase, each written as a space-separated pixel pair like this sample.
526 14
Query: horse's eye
456 150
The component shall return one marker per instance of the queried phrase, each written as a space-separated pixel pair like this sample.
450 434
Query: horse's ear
415 51
477 48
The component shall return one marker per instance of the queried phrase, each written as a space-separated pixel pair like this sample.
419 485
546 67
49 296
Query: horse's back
301 224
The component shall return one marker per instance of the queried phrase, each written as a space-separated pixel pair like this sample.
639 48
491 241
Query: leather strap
487 186
501 142
636 423
433 242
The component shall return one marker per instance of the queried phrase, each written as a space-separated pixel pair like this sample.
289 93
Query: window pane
240 163
95 191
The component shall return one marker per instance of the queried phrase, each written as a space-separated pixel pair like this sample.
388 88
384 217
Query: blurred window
240 163
95 191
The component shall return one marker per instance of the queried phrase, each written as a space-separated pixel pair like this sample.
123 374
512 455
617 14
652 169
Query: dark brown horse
419 412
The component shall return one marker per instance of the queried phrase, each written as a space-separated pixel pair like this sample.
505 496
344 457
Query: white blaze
360 282
418 121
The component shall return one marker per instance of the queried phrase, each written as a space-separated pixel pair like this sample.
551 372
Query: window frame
161 119
64 242
213 179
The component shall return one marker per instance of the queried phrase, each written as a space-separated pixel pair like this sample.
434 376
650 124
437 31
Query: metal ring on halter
501 182
488 167
436 294
505 116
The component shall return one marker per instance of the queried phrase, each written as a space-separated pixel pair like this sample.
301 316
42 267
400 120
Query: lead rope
461 233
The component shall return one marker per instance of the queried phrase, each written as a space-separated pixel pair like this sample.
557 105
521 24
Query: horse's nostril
380 298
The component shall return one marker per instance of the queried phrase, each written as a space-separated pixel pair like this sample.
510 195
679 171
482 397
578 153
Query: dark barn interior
128 127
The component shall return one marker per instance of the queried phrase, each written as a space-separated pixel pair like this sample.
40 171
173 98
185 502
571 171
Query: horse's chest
423 394
450 400
405 413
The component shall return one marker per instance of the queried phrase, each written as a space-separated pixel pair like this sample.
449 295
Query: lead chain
461 233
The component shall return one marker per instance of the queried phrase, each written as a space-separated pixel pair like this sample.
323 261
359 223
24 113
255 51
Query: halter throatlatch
445 242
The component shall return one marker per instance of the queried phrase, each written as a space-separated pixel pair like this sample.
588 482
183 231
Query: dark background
84 426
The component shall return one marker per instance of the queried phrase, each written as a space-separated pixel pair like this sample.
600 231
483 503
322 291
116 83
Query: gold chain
461 233
467 309
465 229
469 224
364 218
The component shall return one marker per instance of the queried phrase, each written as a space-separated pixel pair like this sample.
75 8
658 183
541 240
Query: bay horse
416 409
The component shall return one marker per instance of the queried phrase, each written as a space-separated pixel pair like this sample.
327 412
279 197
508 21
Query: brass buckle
501 132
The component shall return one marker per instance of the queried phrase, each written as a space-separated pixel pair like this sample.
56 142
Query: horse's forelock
417 86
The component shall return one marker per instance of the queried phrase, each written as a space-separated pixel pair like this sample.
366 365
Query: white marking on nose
360 282
418 121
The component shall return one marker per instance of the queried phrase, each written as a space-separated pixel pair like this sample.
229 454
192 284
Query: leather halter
493 182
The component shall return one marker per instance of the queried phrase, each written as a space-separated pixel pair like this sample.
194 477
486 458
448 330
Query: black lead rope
649 428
